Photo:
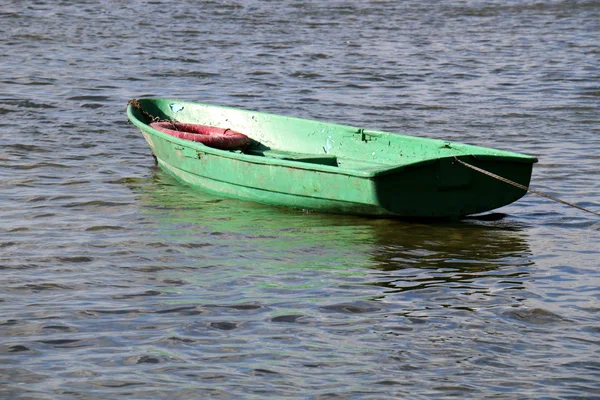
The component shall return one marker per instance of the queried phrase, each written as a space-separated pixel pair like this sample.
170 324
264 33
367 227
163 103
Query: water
118 282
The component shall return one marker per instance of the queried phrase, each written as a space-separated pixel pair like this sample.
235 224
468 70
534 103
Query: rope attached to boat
135 103
518 185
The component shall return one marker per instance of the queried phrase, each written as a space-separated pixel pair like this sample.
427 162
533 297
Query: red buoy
219 138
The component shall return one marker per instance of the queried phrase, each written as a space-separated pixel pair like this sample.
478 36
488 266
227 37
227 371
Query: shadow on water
418 257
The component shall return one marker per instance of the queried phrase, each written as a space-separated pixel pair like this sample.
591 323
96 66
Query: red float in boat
219 138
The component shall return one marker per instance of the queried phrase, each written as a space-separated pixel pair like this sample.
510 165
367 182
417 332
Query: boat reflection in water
200 230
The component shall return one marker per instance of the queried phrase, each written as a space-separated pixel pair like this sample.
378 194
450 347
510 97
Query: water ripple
117 281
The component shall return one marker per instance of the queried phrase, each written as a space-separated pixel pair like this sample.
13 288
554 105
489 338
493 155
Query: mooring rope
136 104
518 185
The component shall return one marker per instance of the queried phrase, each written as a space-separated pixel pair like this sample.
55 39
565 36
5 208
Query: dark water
117 282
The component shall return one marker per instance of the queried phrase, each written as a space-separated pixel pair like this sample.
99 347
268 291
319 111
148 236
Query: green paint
332 168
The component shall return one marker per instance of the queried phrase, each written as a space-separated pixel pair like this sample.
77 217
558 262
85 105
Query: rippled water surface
118 282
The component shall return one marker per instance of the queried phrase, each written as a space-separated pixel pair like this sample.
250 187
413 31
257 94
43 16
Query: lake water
118 282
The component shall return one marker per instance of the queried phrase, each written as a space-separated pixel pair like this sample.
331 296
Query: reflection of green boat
237 234
332 168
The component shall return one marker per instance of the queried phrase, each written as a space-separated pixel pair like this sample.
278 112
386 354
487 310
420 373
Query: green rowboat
331 168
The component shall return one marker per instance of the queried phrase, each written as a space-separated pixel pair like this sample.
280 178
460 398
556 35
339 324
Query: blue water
118 282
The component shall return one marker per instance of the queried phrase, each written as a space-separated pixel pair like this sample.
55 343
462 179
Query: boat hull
437 187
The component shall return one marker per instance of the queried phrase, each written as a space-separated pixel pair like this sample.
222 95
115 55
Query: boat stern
445 188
